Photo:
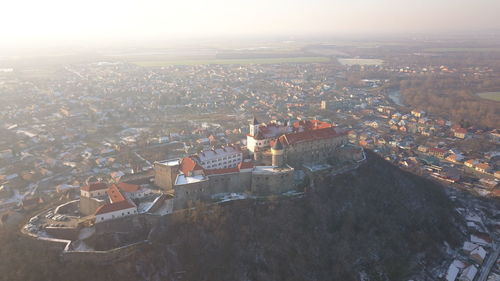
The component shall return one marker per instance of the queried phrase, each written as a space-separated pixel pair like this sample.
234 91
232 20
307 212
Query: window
102 218
128 213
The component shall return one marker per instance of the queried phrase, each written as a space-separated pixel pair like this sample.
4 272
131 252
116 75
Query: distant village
102 141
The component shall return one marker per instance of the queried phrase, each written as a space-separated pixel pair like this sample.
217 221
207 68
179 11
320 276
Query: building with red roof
95 189
304 141
115 210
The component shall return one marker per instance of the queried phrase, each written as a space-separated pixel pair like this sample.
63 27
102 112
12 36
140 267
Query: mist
57 22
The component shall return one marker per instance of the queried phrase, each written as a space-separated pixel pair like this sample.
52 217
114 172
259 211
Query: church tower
254 127
277 153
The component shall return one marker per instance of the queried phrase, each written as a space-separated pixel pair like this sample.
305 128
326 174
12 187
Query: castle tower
277 153
257 156
254 127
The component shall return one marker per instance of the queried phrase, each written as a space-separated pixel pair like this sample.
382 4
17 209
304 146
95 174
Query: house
133 191
455 158
423 148
497 174
480 238
483 167
115 210
460 133
418 113
468 274
471 163
478 254
468 247
452 272
438 152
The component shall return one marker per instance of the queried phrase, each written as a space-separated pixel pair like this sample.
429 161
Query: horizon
56 23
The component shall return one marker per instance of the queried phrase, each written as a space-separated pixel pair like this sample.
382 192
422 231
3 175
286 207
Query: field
167 62
360 61
494 96
445 50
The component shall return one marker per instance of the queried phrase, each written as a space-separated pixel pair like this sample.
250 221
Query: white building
260 136
220 158
133 191
115 210
468 274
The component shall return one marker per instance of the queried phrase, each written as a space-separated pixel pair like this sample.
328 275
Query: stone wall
124 224
279 182
188 194
104 257
165 175
226 183
68 233
313 152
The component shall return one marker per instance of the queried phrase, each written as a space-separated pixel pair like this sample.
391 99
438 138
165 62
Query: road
488 265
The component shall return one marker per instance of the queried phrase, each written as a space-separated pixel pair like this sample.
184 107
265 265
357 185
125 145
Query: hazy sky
36 21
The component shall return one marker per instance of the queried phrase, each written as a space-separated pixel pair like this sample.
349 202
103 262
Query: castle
277 150
266 166
304 142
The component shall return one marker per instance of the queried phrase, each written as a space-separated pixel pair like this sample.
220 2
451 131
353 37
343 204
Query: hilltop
377 220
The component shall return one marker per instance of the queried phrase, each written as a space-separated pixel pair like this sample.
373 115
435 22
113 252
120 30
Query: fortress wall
316 151
266 184
124 224
187 194
104 257
68 233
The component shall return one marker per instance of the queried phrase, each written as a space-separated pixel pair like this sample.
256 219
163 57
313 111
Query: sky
66 21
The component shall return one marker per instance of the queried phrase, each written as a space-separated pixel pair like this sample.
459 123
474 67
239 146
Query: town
104 140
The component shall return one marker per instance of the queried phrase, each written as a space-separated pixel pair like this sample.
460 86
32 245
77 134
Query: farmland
360 61
167 62
494 96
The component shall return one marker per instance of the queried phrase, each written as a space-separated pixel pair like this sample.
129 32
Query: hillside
379 220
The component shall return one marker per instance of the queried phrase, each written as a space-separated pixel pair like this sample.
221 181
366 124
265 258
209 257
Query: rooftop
182 179
218 153
113 207
270 170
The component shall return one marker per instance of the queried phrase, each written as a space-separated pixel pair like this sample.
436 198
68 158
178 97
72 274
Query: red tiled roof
114 194
293 138
94 186
437 150
189 165
245 165
312 125
127 187
483 166
461 131
112 207
221 171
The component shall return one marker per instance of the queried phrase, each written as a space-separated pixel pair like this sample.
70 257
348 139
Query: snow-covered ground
144 207
225 197
80 246
317 167
86 232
